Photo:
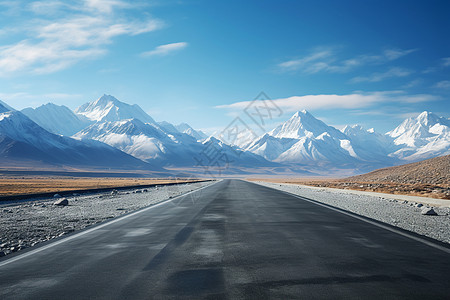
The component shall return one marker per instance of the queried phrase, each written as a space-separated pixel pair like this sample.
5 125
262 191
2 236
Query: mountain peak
428 118
301 113
106 99
302 124
421 130
109 108
57 119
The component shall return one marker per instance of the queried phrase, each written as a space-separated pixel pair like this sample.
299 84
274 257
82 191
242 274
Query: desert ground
25 185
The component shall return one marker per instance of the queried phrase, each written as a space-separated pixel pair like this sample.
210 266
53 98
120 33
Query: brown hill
434 171
428 178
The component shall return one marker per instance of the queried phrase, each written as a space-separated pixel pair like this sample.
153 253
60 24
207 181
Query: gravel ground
27 223
402 214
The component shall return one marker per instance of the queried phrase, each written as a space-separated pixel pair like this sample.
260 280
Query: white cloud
446 62
308 61
333 101
376 77
77 33
105 6
444 84
165 49
326 60
393 54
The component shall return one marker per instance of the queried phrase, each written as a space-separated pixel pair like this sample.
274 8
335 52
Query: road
231 240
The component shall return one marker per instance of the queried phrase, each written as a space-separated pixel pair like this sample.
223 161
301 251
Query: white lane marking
40 249
421 240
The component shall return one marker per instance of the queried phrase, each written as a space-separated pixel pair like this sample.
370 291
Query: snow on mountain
270 147
185 128
242 139
109 109
168 128
323 149
164 145
425 136
370 145
303 124
22 140
304 139
57 119
215 152
144 141
5 107
302 142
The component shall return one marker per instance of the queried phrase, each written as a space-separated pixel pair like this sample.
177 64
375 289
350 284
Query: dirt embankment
427 178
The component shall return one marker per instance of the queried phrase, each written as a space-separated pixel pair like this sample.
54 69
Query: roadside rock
428 211
61 202
57 196
25 224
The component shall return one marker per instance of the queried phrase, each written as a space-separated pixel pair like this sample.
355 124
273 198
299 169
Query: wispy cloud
412 83
446 62
327 60
165 49
333 101
443 63
376 77
79 33
444 84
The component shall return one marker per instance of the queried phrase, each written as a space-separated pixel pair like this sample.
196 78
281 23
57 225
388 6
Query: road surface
232 240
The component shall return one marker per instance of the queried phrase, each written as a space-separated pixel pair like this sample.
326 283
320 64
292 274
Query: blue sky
367 62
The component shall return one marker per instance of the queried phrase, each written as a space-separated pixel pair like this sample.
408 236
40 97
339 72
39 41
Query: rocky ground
432 172
403 214
422 190
25 224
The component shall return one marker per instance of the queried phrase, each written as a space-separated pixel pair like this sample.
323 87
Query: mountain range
129 137
23 143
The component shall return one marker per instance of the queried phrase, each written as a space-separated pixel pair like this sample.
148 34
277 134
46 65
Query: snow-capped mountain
303 124
370 145
241 139
304 139
217 157
168 128
425 136
144 141
162 144
23 142
301 143
368 139
185 128
57 119
109 109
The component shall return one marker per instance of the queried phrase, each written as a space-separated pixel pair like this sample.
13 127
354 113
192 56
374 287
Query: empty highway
232 240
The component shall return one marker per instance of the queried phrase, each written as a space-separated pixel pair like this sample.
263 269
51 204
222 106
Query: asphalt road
231 240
